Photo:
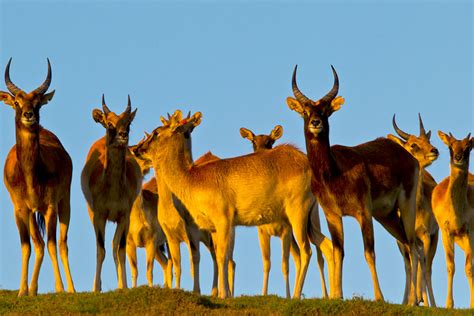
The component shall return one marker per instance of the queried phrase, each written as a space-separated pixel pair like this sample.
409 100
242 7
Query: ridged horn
400 133
129 105
45 85
422 128
104 106
296 92
10 85
335 88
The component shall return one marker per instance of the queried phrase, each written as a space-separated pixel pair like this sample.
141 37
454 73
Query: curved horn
10 85
297 93
129 105
422 128
400 133
335 88
45 85
104 106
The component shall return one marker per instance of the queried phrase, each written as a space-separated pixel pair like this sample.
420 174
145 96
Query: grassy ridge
146 300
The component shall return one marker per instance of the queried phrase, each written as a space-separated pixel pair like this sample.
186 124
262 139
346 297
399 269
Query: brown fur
453 207
179 226
37 175
283 230
374 179
110 181
228 192
426 227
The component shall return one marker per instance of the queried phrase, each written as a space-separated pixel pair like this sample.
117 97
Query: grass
144 300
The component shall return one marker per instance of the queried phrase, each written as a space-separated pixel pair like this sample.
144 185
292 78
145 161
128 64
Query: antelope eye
414 146
110 125
16 103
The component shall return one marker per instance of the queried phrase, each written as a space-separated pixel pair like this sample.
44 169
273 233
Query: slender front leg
51 224
99 228
175 253
286 238
118 245
466 242
193 246
221 237
39 253
211 247
264 239
150 258
337 235
132 260
64 214
295 252
448 243
23 222
429 264
406 260
231 265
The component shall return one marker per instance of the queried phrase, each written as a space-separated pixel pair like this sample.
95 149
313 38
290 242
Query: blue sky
233 62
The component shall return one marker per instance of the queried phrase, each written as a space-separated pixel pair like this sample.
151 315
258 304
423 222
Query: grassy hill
144 300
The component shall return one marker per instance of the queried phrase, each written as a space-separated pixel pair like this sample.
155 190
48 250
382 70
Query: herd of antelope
276 188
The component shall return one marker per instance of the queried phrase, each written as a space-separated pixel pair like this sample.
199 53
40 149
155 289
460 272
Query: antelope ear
336 104
445 138
99 117
7 98
196 119
277 132
295 105
45 98
397 140
428 135
245 133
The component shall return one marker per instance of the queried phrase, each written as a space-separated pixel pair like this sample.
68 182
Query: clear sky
233 62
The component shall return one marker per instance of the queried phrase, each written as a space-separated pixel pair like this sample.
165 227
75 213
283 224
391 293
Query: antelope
453 207
374 179
426 227
145 231
179 227
111 181
282 230
251 190
37 175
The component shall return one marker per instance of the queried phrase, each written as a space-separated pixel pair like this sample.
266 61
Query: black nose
458 157
28 115
316 122
123 134
435 151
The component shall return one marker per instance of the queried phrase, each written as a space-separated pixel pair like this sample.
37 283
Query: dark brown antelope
236 191
426 227
453 207
374 179
111 181
37 175
283 230
145 231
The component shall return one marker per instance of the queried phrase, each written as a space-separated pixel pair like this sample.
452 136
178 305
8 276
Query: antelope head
418 146
175 126
315 113
261 142
117 126
459 150
26 105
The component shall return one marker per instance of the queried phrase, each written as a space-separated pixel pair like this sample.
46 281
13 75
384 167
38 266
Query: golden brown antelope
250 190
282 230
426 227
111 181
374 179
145 231
453 207
37 175
179 227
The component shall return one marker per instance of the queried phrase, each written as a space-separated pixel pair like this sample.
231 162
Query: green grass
144 300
